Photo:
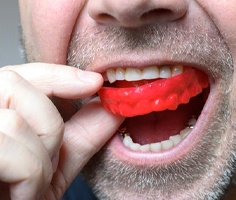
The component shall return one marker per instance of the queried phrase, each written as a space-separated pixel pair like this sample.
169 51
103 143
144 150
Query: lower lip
142 159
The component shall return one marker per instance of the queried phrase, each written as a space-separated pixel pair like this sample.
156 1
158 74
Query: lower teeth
159 146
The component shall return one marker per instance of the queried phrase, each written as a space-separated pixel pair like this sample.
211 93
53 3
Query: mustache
194 44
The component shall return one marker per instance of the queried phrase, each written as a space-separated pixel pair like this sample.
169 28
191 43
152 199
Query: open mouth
161 104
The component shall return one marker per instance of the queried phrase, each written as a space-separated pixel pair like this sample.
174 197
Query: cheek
47 26
223 13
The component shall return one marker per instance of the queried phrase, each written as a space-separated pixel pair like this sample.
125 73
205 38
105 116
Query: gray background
10 47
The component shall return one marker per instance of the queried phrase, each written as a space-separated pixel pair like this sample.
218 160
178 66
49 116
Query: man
176 141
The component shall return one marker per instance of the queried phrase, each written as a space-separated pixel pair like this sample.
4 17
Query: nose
134 13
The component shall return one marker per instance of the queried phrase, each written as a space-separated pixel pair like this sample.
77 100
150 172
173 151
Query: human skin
52 28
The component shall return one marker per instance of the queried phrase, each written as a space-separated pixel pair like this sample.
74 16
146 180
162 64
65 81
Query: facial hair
205 173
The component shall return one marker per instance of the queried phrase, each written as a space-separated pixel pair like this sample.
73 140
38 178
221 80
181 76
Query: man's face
159 36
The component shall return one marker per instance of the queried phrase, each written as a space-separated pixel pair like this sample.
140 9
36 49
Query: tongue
159 126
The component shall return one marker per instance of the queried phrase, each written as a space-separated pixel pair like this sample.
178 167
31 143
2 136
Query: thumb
85 134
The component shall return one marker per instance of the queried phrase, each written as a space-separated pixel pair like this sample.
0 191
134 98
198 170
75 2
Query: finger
59 80
13 125
39 112
84 135
22 169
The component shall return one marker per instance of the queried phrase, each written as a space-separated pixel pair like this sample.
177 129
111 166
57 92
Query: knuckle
9 81
3 140
37 168
11 122
40 171
9 75
16 119
32 171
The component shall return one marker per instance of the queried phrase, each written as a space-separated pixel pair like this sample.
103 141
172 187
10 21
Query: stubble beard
204 174
207 170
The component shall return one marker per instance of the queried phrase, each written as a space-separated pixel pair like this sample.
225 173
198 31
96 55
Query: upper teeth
134 74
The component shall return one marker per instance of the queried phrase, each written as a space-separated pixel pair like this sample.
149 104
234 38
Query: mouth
162 106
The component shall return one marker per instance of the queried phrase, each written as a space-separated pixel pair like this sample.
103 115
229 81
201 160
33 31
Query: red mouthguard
159 95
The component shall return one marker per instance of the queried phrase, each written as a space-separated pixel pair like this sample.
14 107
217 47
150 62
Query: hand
32 131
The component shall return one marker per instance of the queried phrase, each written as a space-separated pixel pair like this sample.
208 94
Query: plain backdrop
10 45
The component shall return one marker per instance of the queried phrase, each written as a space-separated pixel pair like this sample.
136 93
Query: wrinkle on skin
224 16
92 45
205 38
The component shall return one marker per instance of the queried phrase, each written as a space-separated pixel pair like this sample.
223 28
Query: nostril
157 14
129 20
104 17
136 13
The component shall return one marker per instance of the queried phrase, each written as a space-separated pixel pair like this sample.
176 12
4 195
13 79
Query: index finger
59 80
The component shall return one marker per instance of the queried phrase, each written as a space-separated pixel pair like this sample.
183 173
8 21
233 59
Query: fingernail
89 77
